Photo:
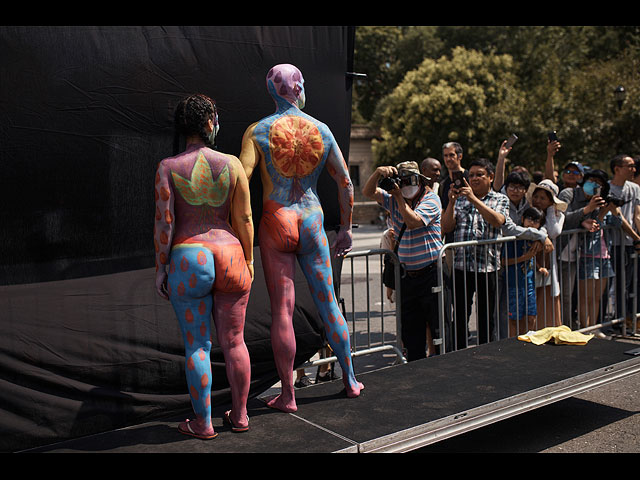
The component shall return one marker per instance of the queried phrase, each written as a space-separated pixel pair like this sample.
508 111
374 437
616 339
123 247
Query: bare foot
280 403
352 392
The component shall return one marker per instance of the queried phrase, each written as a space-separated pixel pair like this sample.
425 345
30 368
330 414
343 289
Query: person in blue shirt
519 256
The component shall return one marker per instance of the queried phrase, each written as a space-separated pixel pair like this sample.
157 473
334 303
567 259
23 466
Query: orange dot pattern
164 224
186 277
300 231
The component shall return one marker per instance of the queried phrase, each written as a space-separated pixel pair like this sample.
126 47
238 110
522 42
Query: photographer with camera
582 204
415 212
585 257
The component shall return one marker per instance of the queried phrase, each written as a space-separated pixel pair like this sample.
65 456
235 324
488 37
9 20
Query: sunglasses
409 180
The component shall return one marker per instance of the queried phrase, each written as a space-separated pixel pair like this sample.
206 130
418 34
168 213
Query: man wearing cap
412 202
571 175
475 212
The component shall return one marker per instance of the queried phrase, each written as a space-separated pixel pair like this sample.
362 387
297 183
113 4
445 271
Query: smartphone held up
512 139
457 179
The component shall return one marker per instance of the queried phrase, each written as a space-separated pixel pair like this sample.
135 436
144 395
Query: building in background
361 167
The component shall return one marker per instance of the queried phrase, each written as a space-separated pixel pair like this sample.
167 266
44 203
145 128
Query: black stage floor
401 406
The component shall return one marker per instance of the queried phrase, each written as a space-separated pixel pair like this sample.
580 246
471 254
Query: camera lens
387 183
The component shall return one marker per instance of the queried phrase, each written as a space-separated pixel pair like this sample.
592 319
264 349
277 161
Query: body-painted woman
290 149
209 262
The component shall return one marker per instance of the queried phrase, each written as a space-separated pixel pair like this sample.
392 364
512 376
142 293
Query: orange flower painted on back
296 146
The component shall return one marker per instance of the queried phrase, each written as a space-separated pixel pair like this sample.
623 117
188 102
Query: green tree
468 97
595 128
560 77
374 54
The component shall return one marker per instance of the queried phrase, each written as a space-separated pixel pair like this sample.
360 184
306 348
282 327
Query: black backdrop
85 115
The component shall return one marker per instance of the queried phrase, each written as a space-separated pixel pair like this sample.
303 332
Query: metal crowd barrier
574 303
585 305
348 279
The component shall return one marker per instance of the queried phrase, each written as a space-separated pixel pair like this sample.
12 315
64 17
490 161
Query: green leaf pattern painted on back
202 189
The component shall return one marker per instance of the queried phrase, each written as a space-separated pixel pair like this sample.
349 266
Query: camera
617 201
389 183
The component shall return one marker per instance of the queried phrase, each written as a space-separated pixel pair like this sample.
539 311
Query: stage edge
438 430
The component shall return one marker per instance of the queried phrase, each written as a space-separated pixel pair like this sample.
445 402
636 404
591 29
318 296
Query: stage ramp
403 407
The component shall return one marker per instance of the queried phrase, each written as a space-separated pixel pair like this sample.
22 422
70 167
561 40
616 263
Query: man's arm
498 179
249 154
371 189
549 168
510 229
409 216
448 217
337 168
626 226
495 219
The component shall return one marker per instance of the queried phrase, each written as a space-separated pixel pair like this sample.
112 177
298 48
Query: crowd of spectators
576 230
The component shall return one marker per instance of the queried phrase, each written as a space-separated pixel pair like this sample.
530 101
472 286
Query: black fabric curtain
85 115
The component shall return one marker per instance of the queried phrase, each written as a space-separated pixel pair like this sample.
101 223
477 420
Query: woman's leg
229 317
190 279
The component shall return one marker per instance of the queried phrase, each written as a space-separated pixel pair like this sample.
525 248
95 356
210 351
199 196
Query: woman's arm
163 227
241 215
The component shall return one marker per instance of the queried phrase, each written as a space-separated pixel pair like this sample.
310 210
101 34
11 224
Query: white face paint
301 100
410 191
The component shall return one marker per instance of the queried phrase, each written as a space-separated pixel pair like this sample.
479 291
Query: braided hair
191 117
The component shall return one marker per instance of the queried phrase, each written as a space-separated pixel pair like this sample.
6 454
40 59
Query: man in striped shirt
411 202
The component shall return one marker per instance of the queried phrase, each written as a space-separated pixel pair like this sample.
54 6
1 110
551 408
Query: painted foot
280 403
353 391
236 427
194 428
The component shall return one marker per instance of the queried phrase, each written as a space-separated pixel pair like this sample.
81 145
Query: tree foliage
477 85
462 98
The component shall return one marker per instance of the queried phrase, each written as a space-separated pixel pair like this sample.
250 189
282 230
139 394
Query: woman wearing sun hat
544 196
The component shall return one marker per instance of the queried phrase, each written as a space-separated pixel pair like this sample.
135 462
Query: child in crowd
519 258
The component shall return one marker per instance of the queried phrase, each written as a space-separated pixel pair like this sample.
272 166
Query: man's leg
464 285
414 318
279 272
315 261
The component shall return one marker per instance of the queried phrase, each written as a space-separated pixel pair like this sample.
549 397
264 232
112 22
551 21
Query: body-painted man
210 264
290 149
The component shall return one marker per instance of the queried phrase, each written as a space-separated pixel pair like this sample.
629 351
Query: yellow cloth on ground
561 335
